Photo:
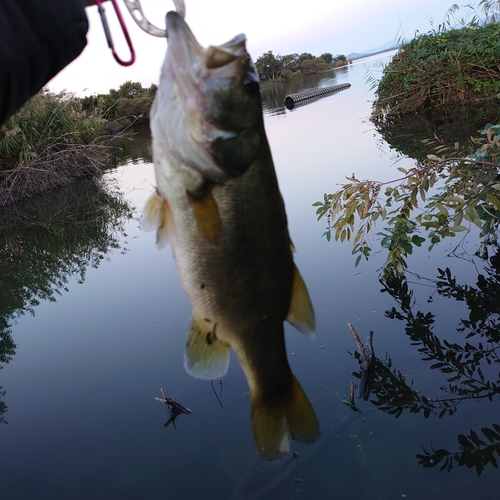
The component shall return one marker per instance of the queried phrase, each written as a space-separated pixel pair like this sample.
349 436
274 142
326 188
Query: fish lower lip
172 20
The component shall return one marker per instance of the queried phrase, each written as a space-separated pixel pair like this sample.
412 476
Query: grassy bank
48 144
441 68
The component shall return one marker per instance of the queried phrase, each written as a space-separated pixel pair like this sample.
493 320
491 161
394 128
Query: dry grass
48 144
54 170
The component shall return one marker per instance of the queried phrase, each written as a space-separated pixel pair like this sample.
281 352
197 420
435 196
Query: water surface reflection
467 358
46 241
83 422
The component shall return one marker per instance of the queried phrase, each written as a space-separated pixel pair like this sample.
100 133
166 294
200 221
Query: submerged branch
367 356
172 403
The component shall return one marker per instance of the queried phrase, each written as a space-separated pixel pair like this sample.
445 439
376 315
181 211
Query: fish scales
218 204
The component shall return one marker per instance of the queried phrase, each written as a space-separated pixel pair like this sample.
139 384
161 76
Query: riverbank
441 68
48 144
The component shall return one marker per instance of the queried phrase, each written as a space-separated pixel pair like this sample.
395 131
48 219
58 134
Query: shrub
441 68
49 143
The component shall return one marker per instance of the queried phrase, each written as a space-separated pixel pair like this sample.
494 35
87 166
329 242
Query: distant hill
392 45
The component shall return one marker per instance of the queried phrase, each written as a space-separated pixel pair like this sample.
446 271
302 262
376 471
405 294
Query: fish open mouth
186 49
182 44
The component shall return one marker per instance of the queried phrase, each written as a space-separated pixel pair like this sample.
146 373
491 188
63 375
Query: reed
48 144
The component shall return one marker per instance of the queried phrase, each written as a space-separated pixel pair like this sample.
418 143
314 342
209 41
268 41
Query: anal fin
301 312
206 356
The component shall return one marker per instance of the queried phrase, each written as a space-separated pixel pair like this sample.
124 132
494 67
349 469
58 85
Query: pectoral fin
157 216
301 312
207 216
206 356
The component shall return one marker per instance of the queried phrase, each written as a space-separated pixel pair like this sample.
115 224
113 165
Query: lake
94 320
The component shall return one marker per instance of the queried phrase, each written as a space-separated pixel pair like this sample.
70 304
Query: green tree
131 90
308 67
151 91
327 57
139 107
290 62
305 55
268 66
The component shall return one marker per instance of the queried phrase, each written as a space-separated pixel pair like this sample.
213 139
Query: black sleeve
38 38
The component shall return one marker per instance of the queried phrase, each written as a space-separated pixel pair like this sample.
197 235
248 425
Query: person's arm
38 38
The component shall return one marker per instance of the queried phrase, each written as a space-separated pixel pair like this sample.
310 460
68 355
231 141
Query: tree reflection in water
46 241
469 365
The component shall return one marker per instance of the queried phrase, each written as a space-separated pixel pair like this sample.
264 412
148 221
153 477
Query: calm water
94 323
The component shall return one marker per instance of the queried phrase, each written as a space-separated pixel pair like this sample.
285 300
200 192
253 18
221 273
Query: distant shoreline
270 83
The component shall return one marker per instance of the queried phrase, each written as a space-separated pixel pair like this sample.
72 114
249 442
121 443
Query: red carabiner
107 32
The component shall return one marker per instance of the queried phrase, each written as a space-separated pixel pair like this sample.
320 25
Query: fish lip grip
135 9
109 38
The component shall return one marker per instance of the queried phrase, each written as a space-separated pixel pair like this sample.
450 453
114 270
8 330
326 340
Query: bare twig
172 403
213 389
359 345
367 356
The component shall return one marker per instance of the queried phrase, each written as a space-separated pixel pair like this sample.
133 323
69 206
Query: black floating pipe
291 100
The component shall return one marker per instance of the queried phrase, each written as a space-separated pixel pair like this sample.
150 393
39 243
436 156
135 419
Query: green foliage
50 142
327 57
439 68
468 362
474 451
340 60
48 240
308 67
457 190
304 56
131 102
268 66
48 123
57 138
407 134
271 67
130 90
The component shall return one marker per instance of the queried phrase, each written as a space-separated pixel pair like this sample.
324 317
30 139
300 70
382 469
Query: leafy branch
465 363
394 395
454 188
474 451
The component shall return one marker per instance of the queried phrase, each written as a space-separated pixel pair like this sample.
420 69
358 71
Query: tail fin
275 425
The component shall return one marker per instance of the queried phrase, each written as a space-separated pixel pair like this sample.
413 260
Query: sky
285 27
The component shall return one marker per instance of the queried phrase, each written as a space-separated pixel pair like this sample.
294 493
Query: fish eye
251 84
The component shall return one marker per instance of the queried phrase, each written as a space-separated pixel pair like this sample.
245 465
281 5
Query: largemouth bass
218 204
